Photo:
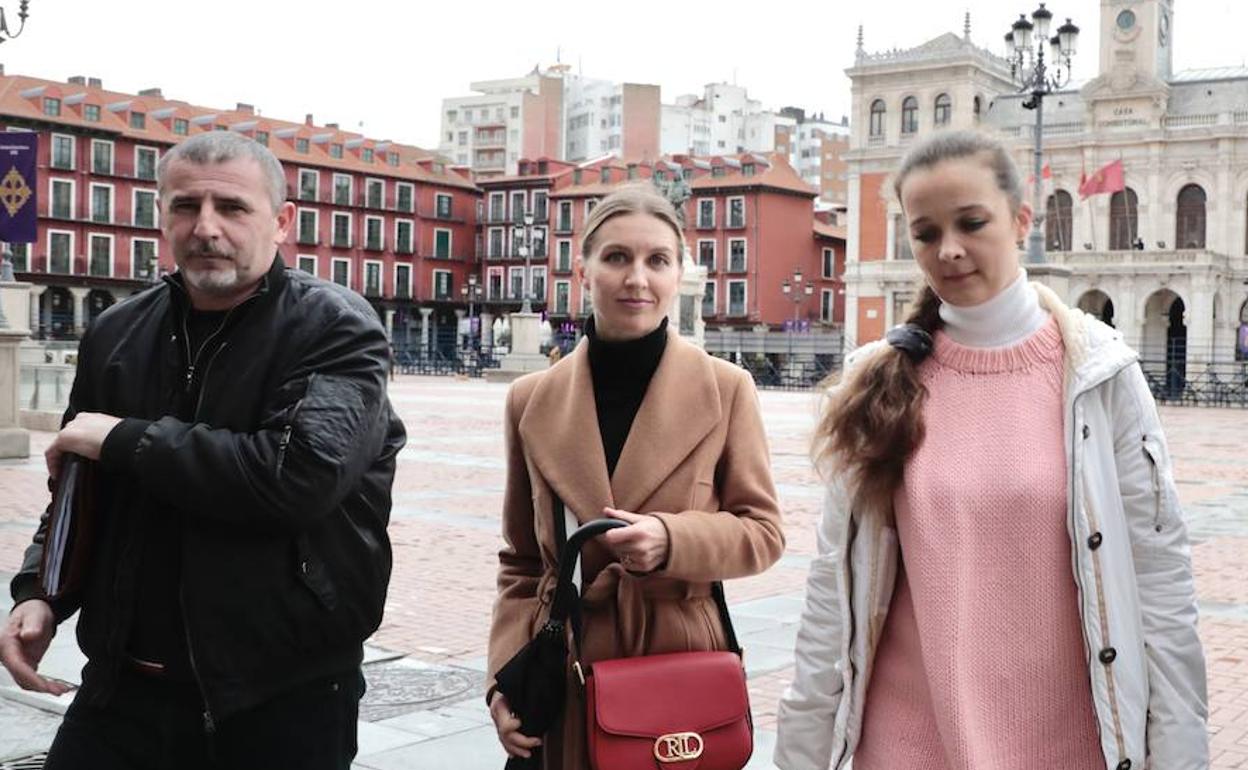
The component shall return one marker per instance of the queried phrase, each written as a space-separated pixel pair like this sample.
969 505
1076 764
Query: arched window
1189 227
877 118
909 115
944 110
1123 219
1058 223
976 108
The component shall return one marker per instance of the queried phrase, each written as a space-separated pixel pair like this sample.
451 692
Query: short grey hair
958 144
222 147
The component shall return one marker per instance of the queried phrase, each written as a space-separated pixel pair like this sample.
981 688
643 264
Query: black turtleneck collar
626 359
621 373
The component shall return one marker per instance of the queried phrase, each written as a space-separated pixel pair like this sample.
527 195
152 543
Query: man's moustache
198 253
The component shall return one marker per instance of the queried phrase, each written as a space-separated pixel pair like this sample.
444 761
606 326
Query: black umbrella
534 681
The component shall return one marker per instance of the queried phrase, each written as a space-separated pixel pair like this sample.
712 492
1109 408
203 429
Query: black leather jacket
282 478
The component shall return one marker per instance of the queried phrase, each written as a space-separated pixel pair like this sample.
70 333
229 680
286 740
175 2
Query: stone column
425 312
14 440
1126 316
850 338
487 329
36 292
1199 319
80 309
463 334
686 312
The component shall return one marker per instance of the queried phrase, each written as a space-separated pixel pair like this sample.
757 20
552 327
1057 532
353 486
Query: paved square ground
445 534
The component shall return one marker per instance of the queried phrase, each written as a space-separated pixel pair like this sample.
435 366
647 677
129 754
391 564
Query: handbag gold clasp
678 747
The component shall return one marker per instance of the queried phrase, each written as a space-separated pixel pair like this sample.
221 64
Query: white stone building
1182 138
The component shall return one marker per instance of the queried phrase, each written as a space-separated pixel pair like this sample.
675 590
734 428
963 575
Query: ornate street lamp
1024 45
797 292
5 34
526 251
471 292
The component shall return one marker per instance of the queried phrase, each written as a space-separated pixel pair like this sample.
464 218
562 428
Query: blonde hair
638 198
873 421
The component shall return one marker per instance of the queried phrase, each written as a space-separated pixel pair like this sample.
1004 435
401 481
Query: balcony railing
1144 258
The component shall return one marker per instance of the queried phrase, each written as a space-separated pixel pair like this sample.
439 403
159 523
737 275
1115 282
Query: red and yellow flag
1108 179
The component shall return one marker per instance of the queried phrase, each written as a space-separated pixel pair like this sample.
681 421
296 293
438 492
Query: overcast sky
383 67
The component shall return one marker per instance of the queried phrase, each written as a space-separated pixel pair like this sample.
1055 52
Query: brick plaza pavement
445 534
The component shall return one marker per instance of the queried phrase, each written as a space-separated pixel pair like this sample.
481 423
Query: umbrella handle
565 591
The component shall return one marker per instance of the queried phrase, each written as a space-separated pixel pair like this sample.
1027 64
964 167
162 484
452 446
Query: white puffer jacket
1129 554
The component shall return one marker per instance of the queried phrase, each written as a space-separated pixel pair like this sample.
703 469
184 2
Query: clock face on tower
1126 20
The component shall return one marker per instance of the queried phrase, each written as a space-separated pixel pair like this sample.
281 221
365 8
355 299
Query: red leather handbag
674 711
681 710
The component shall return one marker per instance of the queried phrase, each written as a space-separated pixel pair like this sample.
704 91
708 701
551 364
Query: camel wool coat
696 457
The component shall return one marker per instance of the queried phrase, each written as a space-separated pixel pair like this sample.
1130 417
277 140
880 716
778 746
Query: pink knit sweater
981 663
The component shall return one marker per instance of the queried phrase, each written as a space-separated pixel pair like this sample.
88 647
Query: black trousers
154 724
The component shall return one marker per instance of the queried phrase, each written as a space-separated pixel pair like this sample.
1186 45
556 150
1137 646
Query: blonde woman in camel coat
692 478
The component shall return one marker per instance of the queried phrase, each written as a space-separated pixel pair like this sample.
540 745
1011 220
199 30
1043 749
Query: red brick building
394 222
749 221
390 221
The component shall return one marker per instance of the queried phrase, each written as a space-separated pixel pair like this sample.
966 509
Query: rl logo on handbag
678 747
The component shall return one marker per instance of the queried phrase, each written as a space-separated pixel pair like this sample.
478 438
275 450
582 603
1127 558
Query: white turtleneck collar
1007 319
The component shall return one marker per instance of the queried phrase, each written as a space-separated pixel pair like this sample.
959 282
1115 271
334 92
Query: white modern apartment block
723 121
550 113
502 121
816 150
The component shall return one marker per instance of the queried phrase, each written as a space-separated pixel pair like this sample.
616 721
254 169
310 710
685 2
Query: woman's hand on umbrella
515 743
641 546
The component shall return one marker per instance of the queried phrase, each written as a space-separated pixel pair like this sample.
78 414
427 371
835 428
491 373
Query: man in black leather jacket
246 451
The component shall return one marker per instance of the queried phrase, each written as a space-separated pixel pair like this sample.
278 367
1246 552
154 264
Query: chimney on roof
78 80
245 108
152 92
334 126
95 83
307 121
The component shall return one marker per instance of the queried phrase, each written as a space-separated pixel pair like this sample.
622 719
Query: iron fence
471 362
1178 383
1223 384
776 373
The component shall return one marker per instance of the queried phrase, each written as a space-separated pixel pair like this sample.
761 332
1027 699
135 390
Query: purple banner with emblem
18 211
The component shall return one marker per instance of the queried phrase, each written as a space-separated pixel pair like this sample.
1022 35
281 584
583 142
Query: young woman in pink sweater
1003 579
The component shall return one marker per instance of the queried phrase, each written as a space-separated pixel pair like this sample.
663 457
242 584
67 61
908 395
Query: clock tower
1133 87
1136 36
